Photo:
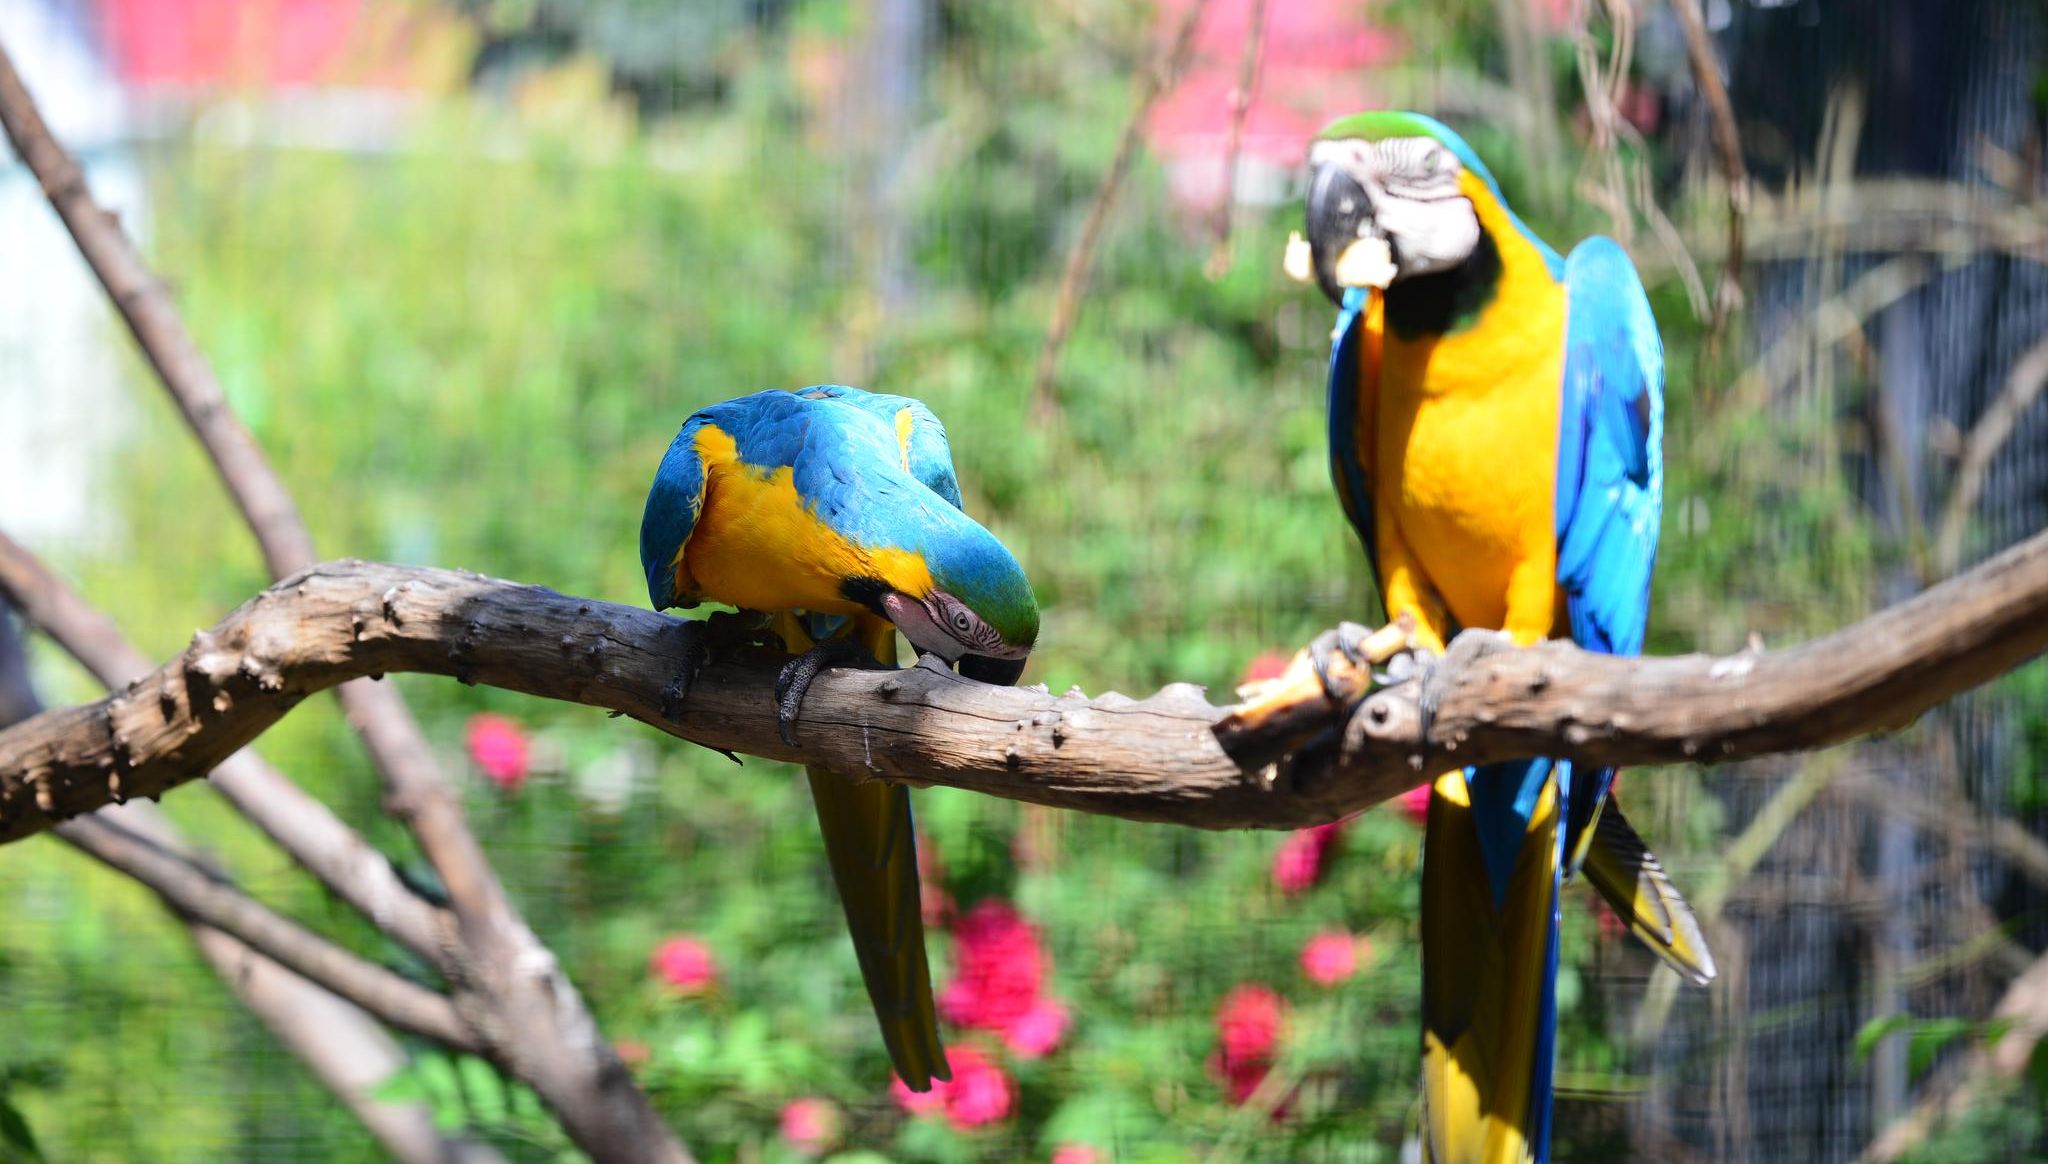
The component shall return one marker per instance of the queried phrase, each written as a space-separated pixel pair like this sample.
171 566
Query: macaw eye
961 621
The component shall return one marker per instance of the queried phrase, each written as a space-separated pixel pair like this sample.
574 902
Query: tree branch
306 829
196 895
1987 438
1706 71
528 1013
340 1044
1158 759
1074 276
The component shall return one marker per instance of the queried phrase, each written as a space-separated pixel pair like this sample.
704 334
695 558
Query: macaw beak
1346 247
985 669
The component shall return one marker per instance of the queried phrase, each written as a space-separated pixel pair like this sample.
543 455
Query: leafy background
471 350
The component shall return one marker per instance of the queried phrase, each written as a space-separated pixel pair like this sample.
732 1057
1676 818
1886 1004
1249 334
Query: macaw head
1390 197
965 600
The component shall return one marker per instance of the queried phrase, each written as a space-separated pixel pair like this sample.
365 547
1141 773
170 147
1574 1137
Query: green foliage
472 350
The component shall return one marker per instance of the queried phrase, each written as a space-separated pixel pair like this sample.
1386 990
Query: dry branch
1706 71
1987 439
340 1044
1156 759
300 824
1074 276
191 892
527 1015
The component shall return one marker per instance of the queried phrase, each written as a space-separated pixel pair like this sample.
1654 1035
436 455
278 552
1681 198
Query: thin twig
1240 108
1045 406
1830 322
1987 438
1706 71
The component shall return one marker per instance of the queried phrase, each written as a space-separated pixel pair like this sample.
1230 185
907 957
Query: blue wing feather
1610 475
1345 470
673 503
929 455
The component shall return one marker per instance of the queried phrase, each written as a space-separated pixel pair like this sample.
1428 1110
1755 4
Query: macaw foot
1360 647
721 630
1435 672
796 679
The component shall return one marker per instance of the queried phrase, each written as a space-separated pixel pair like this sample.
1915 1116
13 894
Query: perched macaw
1496 416
836 513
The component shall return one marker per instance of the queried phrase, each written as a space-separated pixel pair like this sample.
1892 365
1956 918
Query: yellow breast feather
1466 443
757 545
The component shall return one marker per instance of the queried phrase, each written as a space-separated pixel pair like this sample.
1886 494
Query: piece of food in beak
1300 260
1369 262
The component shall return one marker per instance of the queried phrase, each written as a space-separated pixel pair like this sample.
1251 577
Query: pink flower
1078 1154
1038 1030
979 1093
1612 927
632 1052
1298 862
1264 665
923 1103
498 746
1330 957
685 964
1414 804
1240 1077
810 1125
999 969
1248 1022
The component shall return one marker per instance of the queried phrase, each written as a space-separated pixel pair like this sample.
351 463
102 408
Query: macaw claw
1359 646
1431 671
796 679
722 630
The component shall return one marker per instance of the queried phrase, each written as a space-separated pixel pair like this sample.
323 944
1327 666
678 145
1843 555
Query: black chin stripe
867 592
1442 303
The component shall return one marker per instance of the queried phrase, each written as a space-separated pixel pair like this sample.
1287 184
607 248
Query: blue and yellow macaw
836 513
1496 417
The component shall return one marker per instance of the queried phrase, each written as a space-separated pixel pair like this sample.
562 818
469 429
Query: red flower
1332 956
685 964
632 1052
1240 1077
1264 665
979 1093
1298 863
498 746
999 969
1078 1154
1039 1030
1414 804
810 1125
1248 1022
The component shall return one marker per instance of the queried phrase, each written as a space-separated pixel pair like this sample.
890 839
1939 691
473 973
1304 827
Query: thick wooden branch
1157 759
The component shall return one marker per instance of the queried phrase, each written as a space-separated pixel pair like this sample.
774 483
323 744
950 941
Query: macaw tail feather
1628 875
1489 968
872 849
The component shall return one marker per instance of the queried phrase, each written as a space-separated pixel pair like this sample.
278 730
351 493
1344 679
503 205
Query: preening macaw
1496 417
836 513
